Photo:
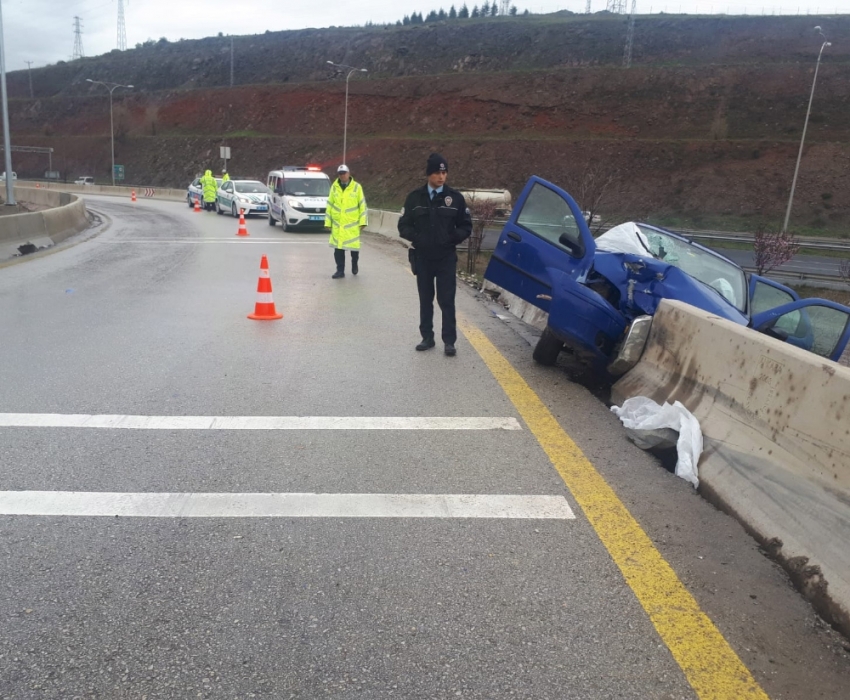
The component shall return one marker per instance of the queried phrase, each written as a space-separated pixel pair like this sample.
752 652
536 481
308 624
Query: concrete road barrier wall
384 223
110 191
776 421
64 216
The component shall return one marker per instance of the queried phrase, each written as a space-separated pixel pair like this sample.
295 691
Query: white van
299 197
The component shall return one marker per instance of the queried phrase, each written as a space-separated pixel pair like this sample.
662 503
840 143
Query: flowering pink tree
773 249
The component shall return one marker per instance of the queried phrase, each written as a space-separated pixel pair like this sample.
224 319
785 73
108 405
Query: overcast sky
42 31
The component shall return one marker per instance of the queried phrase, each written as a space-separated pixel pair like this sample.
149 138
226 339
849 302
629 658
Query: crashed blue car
600 294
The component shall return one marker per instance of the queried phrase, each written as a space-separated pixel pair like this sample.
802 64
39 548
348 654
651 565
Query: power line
78 40
122 27
617 6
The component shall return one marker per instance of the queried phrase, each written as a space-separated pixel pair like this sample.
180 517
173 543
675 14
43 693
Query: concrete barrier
174 195
64 215
384 223
776 421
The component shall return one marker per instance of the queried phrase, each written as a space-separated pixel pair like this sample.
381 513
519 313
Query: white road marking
61 420
282 505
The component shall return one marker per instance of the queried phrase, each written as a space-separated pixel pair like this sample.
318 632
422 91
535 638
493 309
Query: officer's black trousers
339 257
443 272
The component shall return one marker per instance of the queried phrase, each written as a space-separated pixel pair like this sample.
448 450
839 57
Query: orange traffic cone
133 195
197 205
243 229
264 309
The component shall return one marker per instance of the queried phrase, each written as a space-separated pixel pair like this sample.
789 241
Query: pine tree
475 12
464 12
432 16
406 20
513 11
494 9
485 9
441 14
525 14
452 13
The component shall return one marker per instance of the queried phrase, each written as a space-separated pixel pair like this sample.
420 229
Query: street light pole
111 87
7 139
805 126
345 127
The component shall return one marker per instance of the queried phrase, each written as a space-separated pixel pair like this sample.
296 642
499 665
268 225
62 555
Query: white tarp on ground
641 413
624 238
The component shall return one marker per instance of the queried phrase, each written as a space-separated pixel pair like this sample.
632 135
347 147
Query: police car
299 197
251 196
195 191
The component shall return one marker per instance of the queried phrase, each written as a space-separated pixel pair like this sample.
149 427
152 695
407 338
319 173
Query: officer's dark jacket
435 228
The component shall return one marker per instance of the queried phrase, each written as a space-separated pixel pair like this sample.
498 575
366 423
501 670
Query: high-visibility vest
345 215
210 186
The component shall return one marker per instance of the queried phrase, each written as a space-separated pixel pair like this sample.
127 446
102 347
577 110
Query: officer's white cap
343 169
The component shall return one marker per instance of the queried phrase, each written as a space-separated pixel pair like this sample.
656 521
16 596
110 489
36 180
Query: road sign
119 172
225 152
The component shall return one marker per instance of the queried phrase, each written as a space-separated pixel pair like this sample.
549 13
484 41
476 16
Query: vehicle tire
286 227
191 203
218 208
271 219
547 349
234 211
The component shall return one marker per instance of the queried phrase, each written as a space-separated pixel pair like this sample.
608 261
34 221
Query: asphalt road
148 318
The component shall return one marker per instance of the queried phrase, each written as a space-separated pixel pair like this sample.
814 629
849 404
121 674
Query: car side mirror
576 249
774 332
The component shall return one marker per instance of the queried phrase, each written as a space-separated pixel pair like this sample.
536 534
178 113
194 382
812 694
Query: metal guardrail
805 242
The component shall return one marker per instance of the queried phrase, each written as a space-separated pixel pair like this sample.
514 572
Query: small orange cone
264 309
197 205
243 229
133 196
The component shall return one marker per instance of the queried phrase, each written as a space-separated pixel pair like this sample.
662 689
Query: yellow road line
710 665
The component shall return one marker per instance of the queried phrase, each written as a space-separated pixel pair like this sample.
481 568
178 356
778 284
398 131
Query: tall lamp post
7 140
111 87
345 128
805 126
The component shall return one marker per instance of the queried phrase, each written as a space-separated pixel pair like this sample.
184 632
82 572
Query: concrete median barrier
776 421
64 215
166 193
384 223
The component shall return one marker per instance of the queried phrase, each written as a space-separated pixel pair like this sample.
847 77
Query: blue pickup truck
601 294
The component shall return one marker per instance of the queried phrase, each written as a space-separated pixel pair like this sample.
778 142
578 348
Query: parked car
251 196
3 176
601 294
195 191
299 197
85 180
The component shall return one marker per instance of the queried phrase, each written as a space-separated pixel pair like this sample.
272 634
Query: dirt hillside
703 129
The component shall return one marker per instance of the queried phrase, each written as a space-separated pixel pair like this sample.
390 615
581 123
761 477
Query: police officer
435 219
346 217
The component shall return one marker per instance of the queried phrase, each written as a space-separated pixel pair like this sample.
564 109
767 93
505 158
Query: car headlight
295 203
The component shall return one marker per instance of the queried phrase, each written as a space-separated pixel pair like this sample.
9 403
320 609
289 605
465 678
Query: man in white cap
345 216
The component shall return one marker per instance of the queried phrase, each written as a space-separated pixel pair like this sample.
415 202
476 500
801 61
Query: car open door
817 325
765 294
545 238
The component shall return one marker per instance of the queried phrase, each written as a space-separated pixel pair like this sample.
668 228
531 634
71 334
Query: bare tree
484 214
844 271
591 184
773 249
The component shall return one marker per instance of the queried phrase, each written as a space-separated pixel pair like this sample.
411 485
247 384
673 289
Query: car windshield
251 188
725 277
307 186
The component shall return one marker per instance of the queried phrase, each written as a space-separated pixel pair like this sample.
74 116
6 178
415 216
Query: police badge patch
448 201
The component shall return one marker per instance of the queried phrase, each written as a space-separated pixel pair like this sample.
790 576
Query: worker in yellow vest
345 216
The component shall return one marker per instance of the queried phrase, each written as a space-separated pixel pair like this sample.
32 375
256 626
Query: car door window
766 297
546 214
815 328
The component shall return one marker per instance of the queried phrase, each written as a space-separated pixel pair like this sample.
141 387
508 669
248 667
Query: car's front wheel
218 208
189 200
234 211
548 348
271 220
